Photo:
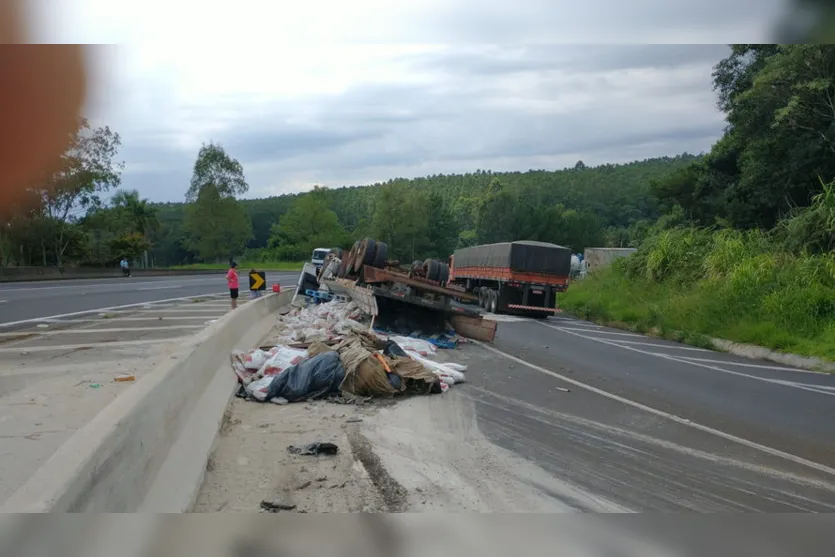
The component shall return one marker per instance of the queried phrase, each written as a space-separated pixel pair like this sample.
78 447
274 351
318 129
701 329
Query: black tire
431 267
381 255
370 252
494 301
443 275
480 292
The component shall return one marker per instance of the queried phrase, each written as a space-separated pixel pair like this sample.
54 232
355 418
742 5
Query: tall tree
216 168
216 224
217 227
87 169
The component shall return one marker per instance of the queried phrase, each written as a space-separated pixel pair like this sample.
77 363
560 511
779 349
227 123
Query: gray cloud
541 106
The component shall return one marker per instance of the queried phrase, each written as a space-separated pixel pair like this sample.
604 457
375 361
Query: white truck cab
318 257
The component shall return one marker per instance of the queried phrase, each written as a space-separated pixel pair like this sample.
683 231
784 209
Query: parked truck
513 277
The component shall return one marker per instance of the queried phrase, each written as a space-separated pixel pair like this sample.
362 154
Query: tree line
775 155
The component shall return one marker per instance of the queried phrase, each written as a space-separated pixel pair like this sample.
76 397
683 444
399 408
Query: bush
742 286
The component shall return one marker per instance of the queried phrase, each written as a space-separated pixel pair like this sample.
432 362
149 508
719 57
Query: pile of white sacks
331 321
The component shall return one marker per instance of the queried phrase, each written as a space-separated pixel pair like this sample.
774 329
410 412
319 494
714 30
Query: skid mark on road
678 419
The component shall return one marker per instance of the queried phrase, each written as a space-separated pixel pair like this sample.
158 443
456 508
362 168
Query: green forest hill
431 216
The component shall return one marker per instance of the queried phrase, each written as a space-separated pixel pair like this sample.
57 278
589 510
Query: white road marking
602 332
162 287
115 343
761 366
730 437
114 282
183 310
111 319
26 334
654 344
3 301
618 344
100 310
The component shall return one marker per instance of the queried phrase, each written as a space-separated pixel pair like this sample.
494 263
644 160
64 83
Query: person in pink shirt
232 281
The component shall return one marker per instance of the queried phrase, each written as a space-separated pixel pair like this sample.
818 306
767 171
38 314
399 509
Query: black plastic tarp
312 378
523 257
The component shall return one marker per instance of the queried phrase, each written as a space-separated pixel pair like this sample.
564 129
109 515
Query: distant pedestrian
125 266
232 281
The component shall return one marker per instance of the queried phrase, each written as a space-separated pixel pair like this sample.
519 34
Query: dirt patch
251 464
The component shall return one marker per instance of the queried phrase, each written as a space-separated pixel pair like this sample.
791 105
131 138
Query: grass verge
788 320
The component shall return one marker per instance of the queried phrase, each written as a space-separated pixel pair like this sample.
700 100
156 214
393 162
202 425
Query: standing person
125 266
232 281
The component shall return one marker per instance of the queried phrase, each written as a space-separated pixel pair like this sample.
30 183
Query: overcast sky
345 93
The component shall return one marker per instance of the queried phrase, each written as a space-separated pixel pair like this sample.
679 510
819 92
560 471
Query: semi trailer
521 277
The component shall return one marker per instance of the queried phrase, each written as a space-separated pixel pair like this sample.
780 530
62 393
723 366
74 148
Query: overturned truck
402 298
512 277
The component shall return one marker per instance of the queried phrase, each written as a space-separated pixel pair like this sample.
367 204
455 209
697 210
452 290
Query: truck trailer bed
522 257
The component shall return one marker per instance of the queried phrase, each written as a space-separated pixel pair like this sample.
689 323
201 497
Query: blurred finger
41 99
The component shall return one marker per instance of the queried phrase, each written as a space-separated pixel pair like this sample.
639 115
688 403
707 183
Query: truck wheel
431 268
370 251
443 275
381 255
493 301
480 292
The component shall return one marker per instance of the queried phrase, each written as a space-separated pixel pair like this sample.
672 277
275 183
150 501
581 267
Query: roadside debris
273 507
328 350
124 378
314 449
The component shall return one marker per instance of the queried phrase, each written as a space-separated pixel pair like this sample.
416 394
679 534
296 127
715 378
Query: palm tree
142 216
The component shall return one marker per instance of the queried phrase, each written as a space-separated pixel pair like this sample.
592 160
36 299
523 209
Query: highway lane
22 302
655 425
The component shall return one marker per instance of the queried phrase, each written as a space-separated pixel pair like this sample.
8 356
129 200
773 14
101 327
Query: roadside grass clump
689 284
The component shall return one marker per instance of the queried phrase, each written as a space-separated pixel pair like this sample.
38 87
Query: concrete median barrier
147 450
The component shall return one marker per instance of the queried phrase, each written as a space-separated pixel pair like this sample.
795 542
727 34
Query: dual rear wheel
488 299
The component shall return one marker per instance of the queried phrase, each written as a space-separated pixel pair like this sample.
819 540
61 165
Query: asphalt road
653 425
21 303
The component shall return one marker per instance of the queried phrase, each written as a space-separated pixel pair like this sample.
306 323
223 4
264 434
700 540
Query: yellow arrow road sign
257 280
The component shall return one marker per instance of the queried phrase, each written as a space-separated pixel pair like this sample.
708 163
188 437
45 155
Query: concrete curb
147 450
760 353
